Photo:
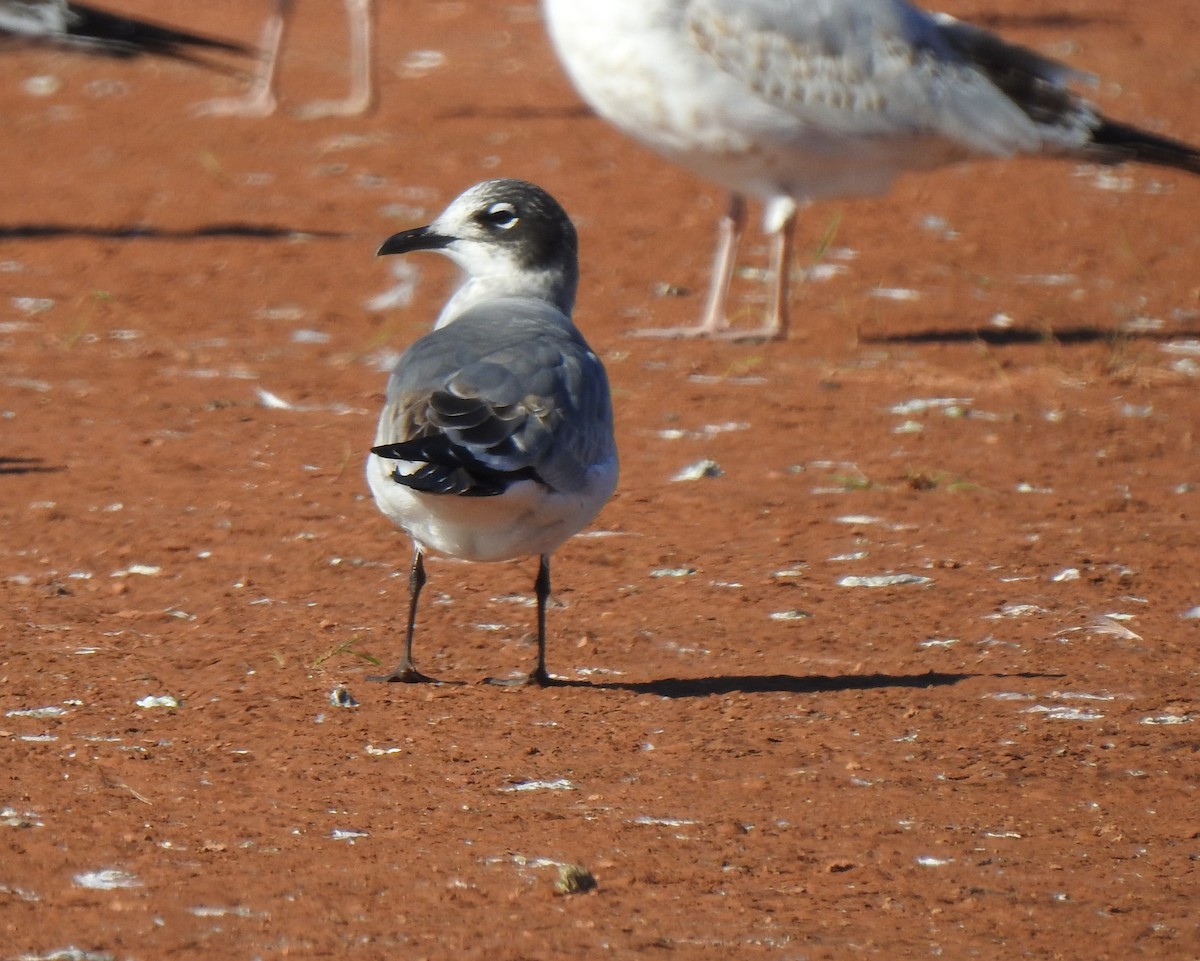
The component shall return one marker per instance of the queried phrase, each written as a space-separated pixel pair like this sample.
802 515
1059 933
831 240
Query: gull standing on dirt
792 101
98 31
260 100
496 441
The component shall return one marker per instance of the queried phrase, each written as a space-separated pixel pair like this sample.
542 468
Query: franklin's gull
792 101
496 441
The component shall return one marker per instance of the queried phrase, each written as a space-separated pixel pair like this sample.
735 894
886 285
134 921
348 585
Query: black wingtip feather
457 481
450 469
1118 142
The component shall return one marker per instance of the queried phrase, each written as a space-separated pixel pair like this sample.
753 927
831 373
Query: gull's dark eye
500 216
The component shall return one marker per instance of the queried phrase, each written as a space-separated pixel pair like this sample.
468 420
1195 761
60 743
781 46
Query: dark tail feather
1114 142
119 36
450 469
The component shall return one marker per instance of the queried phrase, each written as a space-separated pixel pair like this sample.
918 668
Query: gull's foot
538 678
677 333
755 335
407 674
350 107
255 105
737 334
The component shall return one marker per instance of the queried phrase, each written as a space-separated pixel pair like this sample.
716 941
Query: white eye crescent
501 215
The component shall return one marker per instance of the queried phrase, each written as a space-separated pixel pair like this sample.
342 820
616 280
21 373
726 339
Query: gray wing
886 68
511 386
33 19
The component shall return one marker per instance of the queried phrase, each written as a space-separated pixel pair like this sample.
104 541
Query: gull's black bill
419 238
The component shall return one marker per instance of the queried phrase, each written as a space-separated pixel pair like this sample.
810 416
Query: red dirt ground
759 761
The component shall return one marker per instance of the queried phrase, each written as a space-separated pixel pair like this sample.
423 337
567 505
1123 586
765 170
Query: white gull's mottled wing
884 69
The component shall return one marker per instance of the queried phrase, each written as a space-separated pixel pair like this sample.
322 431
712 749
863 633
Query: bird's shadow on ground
1056 20
680 687
147 232
26 465
1013 336
565 112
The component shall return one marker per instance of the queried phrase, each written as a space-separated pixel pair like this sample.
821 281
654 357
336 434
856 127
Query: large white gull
792 101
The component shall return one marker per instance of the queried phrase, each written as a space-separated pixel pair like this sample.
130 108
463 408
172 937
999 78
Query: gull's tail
1039 87
118 36
1114 142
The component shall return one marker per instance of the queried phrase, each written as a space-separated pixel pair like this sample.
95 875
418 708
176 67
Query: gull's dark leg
540 675
406 671
542 587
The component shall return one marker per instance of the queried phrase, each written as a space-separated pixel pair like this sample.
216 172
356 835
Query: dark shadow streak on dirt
1001 22
1026 335
26 465
777 683
567 112
143 232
